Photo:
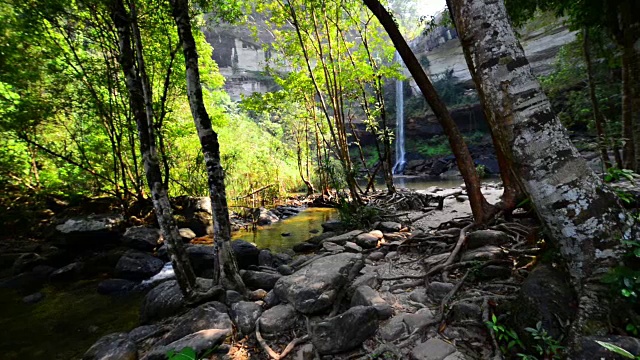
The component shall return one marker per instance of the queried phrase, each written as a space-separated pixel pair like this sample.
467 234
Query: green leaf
616 349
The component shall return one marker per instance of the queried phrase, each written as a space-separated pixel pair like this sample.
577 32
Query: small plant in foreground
547 346
617 349
187 354
507 338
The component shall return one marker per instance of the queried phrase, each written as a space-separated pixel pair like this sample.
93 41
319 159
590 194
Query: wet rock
315 287
481 238
432 349
90 231
246 253
136 265
33 298
366 296
233 296
142 333
345 331
277 320
376 256
265 258
26 262
332 247
245 314
389 226
438 290
142 238
116 346
164 300
352 247
318 239
342 239
484 253
68 272
333 225
271 300
206 316
203 259
305 247
200 342
285 270
116 286
590 349
186 234
281 259
544 296
260 279
466 311
367 241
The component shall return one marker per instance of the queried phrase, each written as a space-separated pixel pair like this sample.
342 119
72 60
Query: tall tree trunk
597 114
480 208
228 270
580 213
179 259
628 150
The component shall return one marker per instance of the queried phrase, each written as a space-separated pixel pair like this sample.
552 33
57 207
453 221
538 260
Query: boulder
141 333
260 279
116 286
67 273
389 226
33 298
285 270
246 253
186 234
116 346
27 262
367 241
203 259
162 301
245 314
352 247
589 349
333 225
194 213
271 300
277 320
419 295
342 239
318 239
142 238
281 259
305 247
345 331
136 265
90 231
315 287
265 258
266 217
405 323
206 316
544 296
481 238
201 342
233 296
366 296
432 349
436 290
332 247
462 311
484 253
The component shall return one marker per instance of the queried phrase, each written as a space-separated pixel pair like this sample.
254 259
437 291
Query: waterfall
398 168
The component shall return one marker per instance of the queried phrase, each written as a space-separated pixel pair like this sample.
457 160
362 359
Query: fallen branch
461 240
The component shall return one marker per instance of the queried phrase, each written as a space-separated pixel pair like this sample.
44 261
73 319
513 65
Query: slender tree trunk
580 213
628 149
179 258
480 208
228 268
597 114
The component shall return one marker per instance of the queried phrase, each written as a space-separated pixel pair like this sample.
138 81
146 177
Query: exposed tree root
272 354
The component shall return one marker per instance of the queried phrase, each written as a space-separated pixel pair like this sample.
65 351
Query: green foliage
356 216
617 349
615 174
187 354
545 346
482 171
507 338
452 91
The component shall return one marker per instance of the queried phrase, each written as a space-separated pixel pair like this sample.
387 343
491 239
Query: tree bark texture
579 211
228 270
162 207
480 208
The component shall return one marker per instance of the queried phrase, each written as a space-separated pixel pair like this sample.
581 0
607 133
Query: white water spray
398 168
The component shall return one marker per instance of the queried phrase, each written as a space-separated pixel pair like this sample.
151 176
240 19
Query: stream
73 316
